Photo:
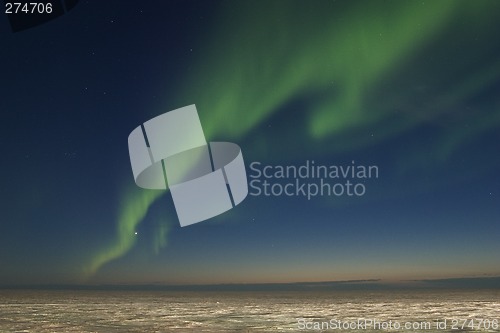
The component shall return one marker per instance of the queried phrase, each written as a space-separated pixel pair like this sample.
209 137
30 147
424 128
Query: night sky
411 87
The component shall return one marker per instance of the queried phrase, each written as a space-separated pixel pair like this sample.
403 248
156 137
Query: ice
159 311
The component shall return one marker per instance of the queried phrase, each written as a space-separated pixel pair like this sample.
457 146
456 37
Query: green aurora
352 62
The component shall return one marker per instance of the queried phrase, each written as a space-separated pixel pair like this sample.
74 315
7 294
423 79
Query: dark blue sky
411 87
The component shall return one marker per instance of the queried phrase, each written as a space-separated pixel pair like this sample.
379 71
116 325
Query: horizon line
492 282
